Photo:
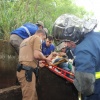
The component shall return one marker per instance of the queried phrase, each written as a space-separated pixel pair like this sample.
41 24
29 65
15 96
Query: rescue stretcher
69 76
63 73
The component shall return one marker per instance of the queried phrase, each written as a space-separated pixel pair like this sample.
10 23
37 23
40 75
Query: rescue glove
84 82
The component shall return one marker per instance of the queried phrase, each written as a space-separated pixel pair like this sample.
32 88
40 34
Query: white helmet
71 28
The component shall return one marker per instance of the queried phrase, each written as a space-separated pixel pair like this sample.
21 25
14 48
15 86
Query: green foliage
13 13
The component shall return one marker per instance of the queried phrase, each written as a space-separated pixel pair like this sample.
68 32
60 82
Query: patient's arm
61 54
52 55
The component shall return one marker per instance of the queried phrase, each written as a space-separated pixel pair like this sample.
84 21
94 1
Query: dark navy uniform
87 59
79 33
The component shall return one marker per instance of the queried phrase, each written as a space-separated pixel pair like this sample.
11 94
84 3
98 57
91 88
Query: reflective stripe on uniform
29 34
97 75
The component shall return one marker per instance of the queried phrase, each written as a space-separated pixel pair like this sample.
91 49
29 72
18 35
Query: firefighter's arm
84 72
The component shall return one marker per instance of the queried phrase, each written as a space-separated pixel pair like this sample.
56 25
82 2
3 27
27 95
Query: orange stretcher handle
61 72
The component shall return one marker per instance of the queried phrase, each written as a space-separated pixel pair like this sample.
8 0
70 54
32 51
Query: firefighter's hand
41 63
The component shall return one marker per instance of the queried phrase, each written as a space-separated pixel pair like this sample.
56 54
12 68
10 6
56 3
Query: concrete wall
11 93
8 63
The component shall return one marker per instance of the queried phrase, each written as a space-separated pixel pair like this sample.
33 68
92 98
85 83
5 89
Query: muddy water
8 63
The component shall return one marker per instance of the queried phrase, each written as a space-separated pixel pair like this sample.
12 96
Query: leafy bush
14 13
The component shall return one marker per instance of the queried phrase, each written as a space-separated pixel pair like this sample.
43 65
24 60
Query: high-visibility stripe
97 75
29 34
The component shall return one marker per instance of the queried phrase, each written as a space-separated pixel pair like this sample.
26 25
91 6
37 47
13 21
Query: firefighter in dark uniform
86 43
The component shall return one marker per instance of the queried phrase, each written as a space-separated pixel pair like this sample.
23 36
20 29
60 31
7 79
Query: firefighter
27 71
23 32
86 43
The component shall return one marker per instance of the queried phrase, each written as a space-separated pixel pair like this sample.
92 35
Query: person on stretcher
60 56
